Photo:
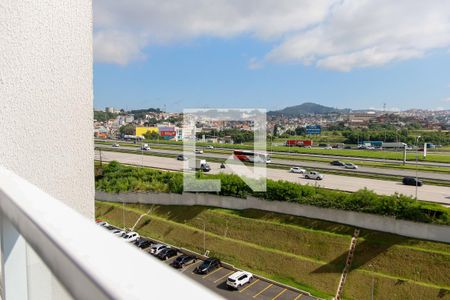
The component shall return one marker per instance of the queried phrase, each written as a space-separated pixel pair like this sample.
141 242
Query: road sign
313 129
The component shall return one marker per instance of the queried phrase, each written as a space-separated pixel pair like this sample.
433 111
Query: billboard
313 129
140 131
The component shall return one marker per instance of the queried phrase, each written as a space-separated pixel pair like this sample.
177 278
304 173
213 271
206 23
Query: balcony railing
49 251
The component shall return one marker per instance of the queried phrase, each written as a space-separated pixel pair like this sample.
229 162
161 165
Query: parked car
198 151
167 253
207 266
412 181
183 260
131 237
313 175
118 232
142 243
297 170
157 248
350 166
337 163
115 145
182 157
238 279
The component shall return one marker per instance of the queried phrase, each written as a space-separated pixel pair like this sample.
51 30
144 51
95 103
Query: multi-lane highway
309 164
439 194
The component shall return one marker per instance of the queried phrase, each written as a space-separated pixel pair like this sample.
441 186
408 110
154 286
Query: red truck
299 143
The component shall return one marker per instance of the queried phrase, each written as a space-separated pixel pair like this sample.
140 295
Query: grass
306 253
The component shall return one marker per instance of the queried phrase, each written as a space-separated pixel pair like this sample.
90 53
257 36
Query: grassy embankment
305 253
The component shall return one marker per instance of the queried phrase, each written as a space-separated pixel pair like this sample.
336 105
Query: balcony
49 251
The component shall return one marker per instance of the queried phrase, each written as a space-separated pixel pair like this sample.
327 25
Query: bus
250 156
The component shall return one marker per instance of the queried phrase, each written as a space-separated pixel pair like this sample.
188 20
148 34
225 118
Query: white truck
145 147
394 145
199 165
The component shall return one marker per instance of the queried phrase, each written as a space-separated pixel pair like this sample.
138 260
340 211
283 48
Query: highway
431 193
307 164
327 156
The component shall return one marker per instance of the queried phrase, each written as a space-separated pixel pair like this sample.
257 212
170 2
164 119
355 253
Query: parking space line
223 277
212 272
263 290
279 294
249 285
298 297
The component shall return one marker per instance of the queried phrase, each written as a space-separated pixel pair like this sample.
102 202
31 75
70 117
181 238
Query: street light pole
417 162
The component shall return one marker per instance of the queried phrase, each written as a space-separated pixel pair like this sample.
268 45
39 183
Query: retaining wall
440 233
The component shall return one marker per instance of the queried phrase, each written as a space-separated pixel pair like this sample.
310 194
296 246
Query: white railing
84 258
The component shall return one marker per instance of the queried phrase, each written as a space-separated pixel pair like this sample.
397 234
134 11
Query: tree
151 135
129 129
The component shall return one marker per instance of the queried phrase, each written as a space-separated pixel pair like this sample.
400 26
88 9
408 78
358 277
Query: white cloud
254 64
336 34
446 100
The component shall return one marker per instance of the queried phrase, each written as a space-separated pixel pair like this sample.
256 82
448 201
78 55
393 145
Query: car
157 248
118 232
297 170
183 260
115 145
337 163
198 151
238 279
167 253
412 181
313 175
348 147
210 147
103 224
350 166
182 157
328 148
142 243
131 236
207 266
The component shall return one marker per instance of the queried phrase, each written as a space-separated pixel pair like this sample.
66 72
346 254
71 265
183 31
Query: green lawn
306 253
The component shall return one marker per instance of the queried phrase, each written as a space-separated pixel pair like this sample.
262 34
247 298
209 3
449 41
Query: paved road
328 156
439 194
312 164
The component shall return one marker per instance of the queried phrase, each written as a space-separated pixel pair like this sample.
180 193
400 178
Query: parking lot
257 289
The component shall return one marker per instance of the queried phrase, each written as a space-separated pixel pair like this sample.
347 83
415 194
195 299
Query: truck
199 165
299 143
394 145
145 147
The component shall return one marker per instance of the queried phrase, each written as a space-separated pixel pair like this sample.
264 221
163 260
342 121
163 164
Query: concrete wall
386 224
46 97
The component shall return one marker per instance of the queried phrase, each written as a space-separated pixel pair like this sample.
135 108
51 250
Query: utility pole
417 162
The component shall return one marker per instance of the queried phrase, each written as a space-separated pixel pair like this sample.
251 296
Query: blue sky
259 67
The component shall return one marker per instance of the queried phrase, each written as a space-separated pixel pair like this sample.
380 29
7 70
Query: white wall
46 97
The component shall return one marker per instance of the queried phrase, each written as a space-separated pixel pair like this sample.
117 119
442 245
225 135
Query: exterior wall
46 97
386 224
140 131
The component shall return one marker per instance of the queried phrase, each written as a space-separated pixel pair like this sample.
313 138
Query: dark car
142 243
337 163
412 181
182 157
207 266
183 260
167 253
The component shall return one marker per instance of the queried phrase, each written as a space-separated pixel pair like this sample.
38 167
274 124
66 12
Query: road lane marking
249 285
223 276
279 294
266 288
298 297
212 272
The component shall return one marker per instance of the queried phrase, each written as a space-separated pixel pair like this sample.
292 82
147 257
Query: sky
270 54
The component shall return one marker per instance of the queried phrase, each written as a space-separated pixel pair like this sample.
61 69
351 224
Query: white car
238 279
328 148
156 249
313 175
115 145
198 151
350 166
131 237
118 232
297 170
210 147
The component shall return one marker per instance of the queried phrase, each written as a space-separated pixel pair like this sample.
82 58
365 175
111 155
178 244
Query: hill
307 108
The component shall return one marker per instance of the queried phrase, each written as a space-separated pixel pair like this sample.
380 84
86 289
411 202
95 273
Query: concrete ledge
432 232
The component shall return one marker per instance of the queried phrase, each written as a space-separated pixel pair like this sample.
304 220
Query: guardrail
86 260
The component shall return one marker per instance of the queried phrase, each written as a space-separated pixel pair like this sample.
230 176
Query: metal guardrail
89 262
